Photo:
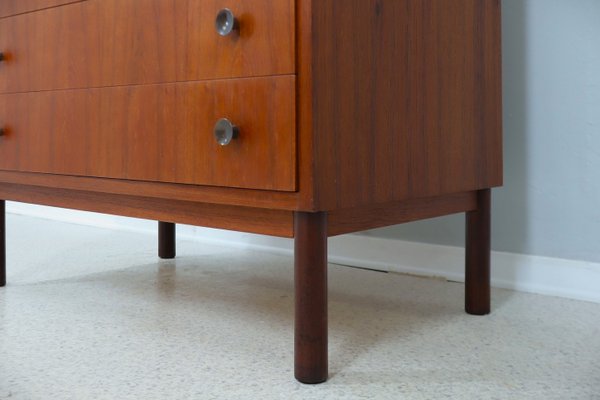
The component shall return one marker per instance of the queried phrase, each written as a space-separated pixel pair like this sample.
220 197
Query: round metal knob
225 131
226 23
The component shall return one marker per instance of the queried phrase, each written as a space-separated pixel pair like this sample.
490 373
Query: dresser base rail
244 219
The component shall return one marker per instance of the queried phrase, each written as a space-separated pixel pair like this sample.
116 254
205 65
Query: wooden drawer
98 43
158 133
13 7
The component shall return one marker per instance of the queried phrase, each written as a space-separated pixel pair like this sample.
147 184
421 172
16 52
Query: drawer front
14 7
99 43
159 133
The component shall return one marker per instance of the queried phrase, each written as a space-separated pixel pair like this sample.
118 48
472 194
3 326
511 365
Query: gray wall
550 204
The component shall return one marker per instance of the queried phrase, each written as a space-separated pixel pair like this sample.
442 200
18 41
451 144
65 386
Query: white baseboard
527 273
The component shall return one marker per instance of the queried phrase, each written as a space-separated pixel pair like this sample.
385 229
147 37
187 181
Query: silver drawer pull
226 23
225 132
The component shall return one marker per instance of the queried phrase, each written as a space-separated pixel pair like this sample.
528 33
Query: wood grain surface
380 215
160 190
397 100
242 219
157 133
14 7
406 99
100 43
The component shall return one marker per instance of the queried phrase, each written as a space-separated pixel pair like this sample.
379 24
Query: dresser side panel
406 99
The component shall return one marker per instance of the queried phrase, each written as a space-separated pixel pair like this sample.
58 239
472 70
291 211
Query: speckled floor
92 314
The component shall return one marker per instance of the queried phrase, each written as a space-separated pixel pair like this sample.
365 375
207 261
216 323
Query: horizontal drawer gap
148 84
41 9
107 179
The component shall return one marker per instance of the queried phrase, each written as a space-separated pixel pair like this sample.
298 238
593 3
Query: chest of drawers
295 118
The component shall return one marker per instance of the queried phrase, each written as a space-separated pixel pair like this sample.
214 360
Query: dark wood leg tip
478 311
310 379
166 256
166 240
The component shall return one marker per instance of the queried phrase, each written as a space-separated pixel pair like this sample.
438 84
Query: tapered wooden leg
477 274
166 240
310 253
2 243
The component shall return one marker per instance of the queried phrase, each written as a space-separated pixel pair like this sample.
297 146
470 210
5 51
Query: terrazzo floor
93 314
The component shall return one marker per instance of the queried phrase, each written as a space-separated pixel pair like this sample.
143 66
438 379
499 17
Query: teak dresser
295 118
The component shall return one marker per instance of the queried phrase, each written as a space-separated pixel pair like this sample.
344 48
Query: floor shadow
380 307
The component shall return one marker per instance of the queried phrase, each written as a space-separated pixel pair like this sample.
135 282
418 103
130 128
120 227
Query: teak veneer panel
161 190
243 219
157 133
14 7
246 219
405 99
379 215
100 43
